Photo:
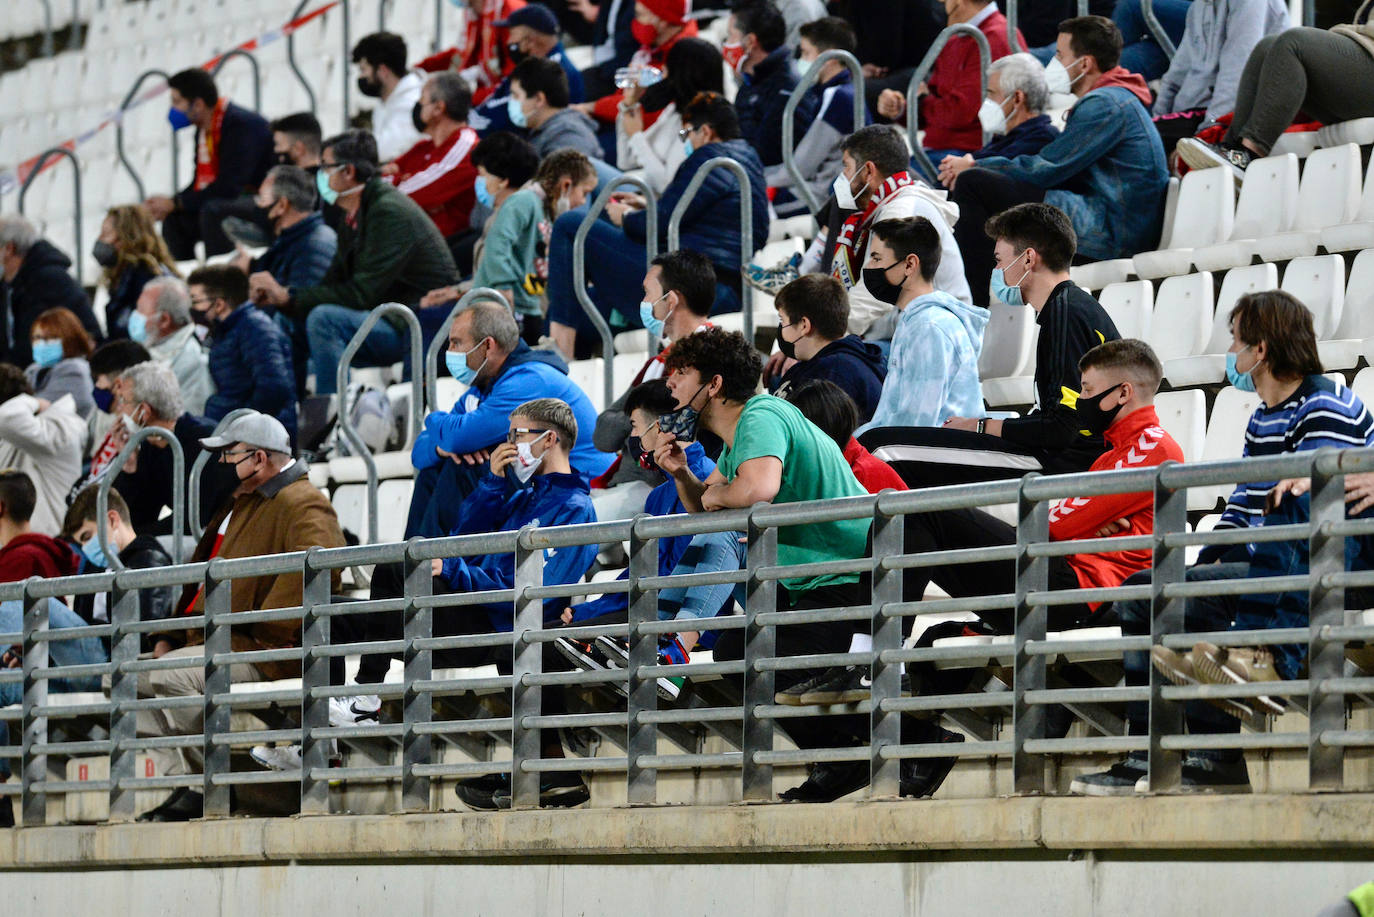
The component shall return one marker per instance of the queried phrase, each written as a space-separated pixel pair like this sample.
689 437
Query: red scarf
207 150
853 237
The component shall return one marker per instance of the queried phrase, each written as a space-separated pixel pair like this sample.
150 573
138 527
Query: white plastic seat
350 469
1363 385
1204 216
1318 282
1097 274
1008 342
1299 143
1359 234
1225 440
447 392
1184 416
632 342
1329 195
590 377
1209 366
1268 204
1356 323
1182 315
350 505
624 367
393 504
1360 131
1129 303
1206 524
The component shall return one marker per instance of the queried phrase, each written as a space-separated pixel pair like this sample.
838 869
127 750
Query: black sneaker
583 655
1199 154
846 685
479 792
1118 780
792 697
828 781
1208 776
670 652
615 649
923 776
558 790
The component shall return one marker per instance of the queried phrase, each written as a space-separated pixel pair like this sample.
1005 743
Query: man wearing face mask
657 26
1012 113
161 321
437 173
1106 170
233 152
382 74
37 277
533 33
539 101
756 48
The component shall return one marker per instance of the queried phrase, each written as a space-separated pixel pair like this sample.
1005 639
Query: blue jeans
710 552
330 328
1141 53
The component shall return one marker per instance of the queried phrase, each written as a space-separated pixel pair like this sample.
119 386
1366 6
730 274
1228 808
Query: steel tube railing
922 72
291 59
1166 44
119 134
257 74
789 113
746 226
102 497
38 166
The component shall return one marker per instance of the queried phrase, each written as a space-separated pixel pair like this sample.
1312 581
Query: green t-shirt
813 468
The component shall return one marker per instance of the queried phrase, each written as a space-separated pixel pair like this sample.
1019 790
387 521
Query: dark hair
1043 227
555 167
66 327
385 49
693 65
454 92
819 297
716 352
912 236
827 406
540 74
652 398
714 109
83 509
692 275
1285 326
880 144
13 382
113 357
195 83
761 19
1134 358
507 156
357 148
302 126
831 34
221 281
1095 35
18 494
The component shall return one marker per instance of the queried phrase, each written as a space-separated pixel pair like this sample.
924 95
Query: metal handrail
440 343
257 74
344 58
1012 6
113 470
1166 44
918 76
43 158
291 57
746 226
193 520
119 134
789 128
47 50
346 423
584 299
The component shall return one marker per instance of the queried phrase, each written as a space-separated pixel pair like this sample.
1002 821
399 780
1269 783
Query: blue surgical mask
1006 292
646 316
1244 381
516 113
687 147
138 327
178 118
46 352
322 185
93 551
483 193
457 363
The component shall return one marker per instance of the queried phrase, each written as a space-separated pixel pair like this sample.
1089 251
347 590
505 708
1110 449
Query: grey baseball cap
253 429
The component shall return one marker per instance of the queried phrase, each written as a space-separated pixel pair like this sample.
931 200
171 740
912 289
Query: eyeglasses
228 452
516 432
686 132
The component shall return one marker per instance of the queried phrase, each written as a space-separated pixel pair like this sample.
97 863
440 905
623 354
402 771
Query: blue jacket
300 256
481 417
250 361
711 223
761 98
497 506
852 363
1026 139
661 501
492 114
1106 171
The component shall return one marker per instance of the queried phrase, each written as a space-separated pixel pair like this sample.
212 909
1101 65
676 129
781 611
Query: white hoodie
47 446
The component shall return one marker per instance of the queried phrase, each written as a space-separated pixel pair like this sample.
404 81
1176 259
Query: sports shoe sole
1142 786
563 797
615 653
1211 670
1199 155
847 696
573 652
1164 665
1082 788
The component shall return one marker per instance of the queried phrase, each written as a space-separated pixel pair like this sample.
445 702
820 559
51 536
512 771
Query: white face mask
992 116
1057 76
526 462
843 187
563 205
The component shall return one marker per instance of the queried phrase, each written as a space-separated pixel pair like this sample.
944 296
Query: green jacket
394 254
510 248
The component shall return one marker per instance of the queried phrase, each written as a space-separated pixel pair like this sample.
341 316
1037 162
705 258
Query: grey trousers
1325 75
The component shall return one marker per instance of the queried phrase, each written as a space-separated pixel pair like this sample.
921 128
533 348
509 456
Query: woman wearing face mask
130 252
60 351
646 129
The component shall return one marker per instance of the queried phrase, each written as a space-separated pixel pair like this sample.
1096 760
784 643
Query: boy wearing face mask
540 101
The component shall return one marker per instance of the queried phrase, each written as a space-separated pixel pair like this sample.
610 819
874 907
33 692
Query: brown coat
286 514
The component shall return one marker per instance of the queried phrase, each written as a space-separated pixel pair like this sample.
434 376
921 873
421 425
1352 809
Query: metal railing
47 49
194 524
179 483
746 227
1166 44
789 127
918 153
37 169
119 135
1006 724
257 73
1012 15
291 59
440 344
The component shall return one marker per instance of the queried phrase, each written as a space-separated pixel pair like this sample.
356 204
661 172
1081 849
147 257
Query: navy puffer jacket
250 361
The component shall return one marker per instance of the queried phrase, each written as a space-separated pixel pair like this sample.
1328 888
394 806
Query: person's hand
390 169
12 658
1359 492
567 616
438 297
584 8
962 423
631 199
241 260
1295 486
873 71
777 365
922 89
436 567
159 206
161 648
264 290
43 405
891 104
502 456
615 212
473 458
711 497
631 120
952 166
1113 528
669 456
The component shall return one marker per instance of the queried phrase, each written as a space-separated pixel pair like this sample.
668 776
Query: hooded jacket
932 371
1217 40
42 283
36 554
762 96
250 363
481 417
851 363
498 506
567 130
1106 170
46 445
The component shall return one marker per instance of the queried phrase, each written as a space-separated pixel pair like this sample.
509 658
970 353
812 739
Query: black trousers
934 456
1174 126
183 229
980 194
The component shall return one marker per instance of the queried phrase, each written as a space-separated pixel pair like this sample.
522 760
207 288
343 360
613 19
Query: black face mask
515 54
370 88
1093 417
415 118
634 447
202 318
883 290
104 254
785 347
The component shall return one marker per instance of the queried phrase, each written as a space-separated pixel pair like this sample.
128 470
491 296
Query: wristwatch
982 424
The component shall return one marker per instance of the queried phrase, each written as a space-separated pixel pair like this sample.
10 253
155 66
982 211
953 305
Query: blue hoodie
481 417
498 506
932 372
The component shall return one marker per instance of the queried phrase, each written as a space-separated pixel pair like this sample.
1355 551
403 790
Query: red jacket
33 554
1137 441
440 179
949 111
607 107
484 44
873 473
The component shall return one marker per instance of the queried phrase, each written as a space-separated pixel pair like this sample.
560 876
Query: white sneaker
277 757
358 710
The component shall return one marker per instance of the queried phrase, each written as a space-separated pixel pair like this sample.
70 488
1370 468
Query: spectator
61 348
392 253
250 357
932 371
275 510
36 280
164 326
797 13
539 101
1140 52
1035 244
893 37
1022 130
650 117
710 225
1106 170
658 25
42 440
381 60
233 153
876 158
303 247
437 172
23 551
1202 80
757 51
1300 410
533 34
831 409
813 313
487 52
614 43
130 253
824 117
296 140
485 352
108 362
1301 69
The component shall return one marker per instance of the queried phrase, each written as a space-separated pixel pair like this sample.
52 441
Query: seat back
1357 314
1319 284
1268 199
1183 310
1237 282
1008 342
1225 439
1184 415
1330 191
1206 209
1129 303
